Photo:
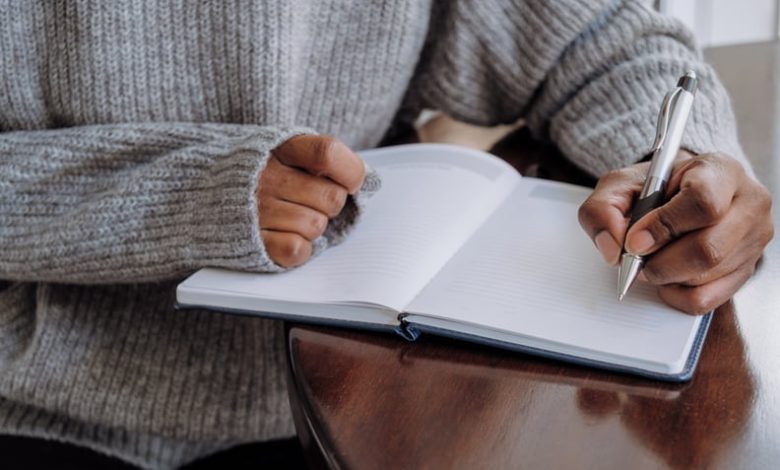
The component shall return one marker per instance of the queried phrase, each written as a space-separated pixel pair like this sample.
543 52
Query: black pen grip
645 205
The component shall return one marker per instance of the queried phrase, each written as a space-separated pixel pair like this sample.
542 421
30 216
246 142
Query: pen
672 118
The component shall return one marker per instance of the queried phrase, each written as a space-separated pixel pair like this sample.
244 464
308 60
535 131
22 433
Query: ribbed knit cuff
225 228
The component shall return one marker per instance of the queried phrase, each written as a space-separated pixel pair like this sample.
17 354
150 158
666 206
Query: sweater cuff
225 227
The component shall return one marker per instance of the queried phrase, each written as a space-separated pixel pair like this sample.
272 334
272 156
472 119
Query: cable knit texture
132 134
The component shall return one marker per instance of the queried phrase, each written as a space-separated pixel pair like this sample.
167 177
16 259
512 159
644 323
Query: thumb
703 189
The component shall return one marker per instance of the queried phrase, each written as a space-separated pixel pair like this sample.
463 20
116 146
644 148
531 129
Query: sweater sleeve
588 75
135 202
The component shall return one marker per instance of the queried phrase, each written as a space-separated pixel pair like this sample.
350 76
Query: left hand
702 244
304 184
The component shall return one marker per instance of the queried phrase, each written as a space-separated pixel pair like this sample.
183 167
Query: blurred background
726 22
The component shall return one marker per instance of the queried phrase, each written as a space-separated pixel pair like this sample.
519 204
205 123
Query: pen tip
629 269
690 74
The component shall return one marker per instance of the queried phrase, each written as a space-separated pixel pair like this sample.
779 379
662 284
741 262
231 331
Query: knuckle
274 251
699 301
317 225
764 232
294 250
764 199
707 252
586 212
323 153
290 251
334 197
591 213
762 215
703 199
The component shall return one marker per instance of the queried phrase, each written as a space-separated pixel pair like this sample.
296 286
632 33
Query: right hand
304 185
702 244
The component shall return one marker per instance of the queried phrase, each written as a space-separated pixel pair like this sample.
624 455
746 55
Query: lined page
433 197
532 271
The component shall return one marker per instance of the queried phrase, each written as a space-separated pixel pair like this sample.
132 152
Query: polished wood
371 400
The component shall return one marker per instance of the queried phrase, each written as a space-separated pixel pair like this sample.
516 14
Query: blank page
532 274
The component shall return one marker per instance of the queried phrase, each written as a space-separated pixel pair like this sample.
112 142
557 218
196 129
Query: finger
284 216
704 255
603 214
701 299
324 156
703 188
283 182
285 248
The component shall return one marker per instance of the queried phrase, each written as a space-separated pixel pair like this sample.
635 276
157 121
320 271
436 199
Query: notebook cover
687 373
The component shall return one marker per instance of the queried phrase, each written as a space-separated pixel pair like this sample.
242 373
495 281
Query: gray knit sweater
132 134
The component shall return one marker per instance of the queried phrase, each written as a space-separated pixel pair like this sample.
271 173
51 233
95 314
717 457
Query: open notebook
457 244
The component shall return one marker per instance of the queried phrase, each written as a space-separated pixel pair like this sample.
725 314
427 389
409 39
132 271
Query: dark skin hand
305 183
702 244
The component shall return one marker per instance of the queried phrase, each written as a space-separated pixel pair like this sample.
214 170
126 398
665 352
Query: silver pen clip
663 118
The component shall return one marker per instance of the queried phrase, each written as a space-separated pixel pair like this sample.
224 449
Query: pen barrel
645 204
664 156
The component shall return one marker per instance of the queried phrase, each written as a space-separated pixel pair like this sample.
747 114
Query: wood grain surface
366 400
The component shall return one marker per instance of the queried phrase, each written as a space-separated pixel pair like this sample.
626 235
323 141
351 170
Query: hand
305 183
702 244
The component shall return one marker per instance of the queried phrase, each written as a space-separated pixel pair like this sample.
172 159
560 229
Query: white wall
723 22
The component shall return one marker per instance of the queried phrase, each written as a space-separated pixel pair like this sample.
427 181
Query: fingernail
607 246
640 242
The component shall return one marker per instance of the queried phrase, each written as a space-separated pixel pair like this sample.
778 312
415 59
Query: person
144 140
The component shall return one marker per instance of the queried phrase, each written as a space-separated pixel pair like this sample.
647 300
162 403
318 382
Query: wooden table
366 400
